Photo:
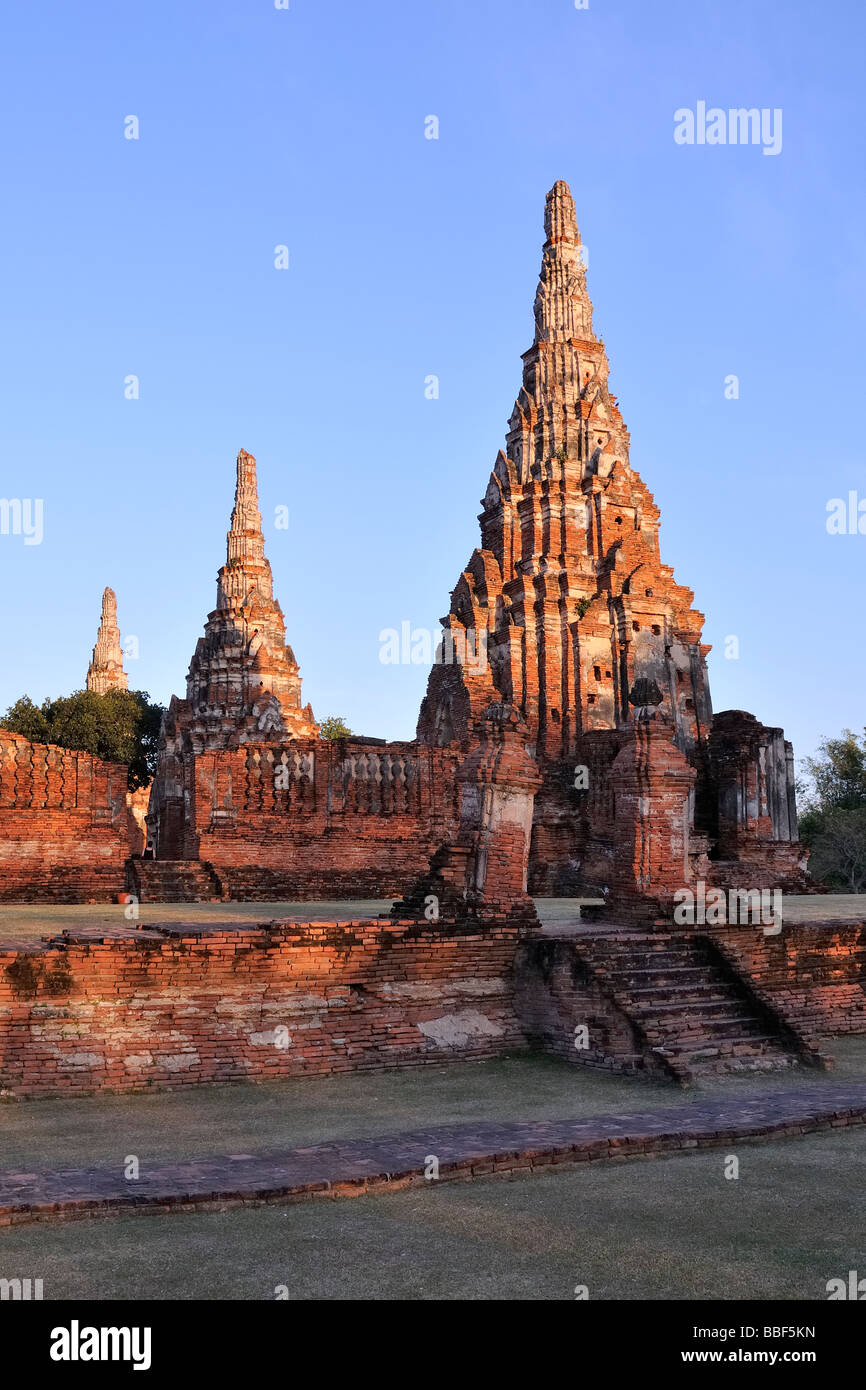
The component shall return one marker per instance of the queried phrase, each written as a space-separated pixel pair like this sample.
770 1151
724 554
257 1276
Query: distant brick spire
105 671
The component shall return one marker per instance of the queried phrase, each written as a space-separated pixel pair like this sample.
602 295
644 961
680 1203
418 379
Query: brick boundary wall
132 1009
125 1009
310 820
64 835
813 973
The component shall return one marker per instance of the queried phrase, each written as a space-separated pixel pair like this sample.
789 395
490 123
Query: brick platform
662 1003
121 1009
462 1151
125 1009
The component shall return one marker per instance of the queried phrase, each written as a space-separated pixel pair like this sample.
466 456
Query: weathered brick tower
243 681
105 671
243 685
570 596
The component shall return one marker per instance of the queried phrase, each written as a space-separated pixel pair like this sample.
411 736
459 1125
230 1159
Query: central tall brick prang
570 599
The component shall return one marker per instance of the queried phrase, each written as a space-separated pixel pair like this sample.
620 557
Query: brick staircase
174 881
690 1006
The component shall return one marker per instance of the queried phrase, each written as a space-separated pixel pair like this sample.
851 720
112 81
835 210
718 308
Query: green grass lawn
35 921
669 1228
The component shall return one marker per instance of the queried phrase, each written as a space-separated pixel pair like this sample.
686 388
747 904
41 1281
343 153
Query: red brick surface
355 821
63 824
178 1006
814 973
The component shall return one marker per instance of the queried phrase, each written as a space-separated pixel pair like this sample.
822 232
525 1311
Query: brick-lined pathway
463 1151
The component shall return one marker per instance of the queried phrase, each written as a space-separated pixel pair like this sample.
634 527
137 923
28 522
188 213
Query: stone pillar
753 767
752 771
652 785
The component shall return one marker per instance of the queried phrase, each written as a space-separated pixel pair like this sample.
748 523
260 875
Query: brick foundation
557 994
126 1009
182 1006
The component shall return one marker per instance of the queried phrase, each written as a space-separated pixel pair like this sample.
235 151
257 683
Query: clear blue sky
408 257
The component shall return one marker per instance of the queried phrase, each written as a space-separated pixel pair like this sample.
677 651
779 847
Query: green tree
833 823
838 844
28 719
839 772
121 726
335 727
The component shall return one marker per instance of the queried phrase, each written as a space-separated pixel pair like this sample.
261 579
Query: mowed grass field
24 921
669 1228
664 1228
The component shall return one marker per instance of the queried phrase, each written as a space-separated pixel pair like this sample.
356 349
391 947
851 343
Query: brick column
652 784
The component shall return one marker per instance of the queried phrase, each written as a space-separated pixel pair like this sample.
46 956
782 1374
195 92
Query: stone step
650 971
676 985
725 1047
703 1009
747 1036
672 955
689 1002
714 991
176 881
770 1061
672 965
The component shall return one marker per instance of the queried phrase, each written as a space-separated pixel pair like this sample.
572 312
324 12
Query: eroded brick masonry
580 638
65 834
576 749
587 631
126 1009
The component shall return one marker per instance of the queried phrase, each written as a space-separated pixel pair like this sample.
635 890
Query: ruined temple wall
748 772
251 1005
125 1010
313 819
574 828
753 769
813 973
64 833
